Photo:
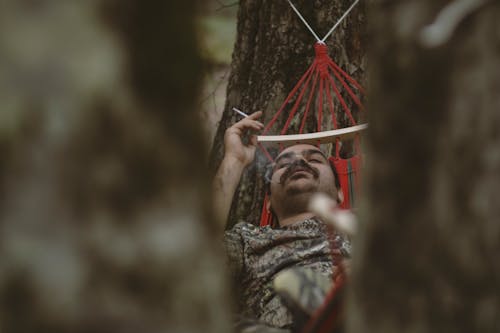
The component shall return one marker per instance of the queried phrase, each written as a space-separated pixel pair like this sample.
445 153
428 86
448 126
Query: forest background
218 35
106 221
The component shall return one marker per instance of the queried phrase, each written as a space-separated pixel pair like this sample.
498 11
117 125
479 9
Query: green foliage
217 36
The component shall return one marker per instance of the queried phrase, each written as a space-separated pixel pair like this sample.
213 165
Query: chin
306 189
302 184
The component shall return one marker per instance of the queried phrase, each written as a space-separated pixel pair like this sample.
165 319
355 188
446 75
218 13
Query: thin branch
224 6
220 81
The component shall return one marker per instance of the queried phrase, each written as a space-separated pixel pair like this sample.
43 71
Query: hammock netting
331 96
323 87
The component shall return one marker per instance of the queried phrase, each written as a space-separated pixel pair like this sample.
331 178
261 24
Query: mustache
298 165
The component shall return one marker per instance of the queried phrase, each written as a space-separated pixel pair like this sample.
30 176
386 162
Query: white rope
340 20
331 30
304 20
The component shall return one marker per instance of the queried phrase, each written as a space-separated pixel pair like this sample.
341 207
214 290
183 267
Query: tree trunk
105 214
427 256
272 51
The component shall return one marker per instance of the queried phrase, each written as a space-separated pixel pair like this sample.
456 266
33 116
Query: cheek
327 184
275 181
276 176
327 176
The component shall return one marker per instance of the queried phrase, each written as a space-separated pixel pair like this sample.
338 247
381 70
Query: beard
297 203
292 192
301 186
297 194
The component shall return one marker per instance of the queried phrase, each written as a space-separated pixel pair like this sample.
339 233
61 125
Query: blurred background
105 210
108 110
217 23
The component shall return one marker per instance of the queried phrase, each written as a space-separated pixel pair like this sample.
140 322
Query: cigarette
241 113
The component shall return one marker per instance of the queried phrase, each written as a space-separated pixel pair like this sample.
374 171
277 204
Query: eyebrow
304 152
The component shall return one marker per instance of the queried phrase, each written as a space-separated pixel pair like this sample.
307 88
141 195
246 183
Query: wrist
234 161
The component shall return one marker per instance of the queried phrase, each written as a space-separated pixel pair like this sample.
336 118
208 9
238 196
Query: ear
340 196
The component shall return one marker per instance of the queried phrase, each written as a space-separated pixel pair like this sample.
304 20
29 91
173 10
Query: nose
299 161
300 157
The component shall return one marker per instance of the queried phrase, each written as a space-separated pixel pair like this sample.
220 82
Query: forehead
299 149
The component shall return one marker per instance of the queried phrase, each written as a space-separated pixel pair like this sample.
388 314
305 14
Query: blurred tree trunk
273 49
105 214
427 256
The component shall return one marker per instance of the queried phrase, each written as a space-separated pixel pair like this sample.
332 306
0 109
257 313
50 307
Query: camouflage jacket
257 254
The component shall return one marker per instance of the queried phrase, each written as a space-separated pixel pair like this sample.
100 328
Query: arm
236 157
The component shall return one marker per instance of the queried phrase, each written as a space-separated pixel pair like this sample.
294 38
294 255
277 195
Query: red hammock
325 87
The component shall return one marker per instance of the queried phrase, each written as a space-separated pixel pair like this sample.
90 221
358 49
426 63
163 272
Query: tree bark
272 51
105 213
427 256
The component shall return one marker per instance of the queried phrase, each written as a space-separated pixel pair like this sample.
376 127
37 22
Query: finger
250 118
248 123
255 115
240 131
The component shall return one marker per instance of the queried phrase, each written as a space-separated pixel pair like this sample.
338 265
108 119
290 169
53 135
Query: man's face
300 170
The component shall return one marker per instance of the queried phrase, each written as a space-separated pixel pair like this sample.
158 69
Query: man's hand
237 156
233 143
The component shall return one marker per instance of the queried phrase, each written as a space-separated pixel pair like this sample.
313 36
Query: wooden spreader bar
313 138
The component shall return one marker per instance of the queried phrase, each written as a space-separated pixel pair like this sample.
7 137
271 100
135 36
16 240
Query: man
258 255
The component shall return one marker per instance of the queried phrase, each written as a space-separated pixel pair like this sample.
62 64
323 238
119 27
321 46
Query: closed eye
283 165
